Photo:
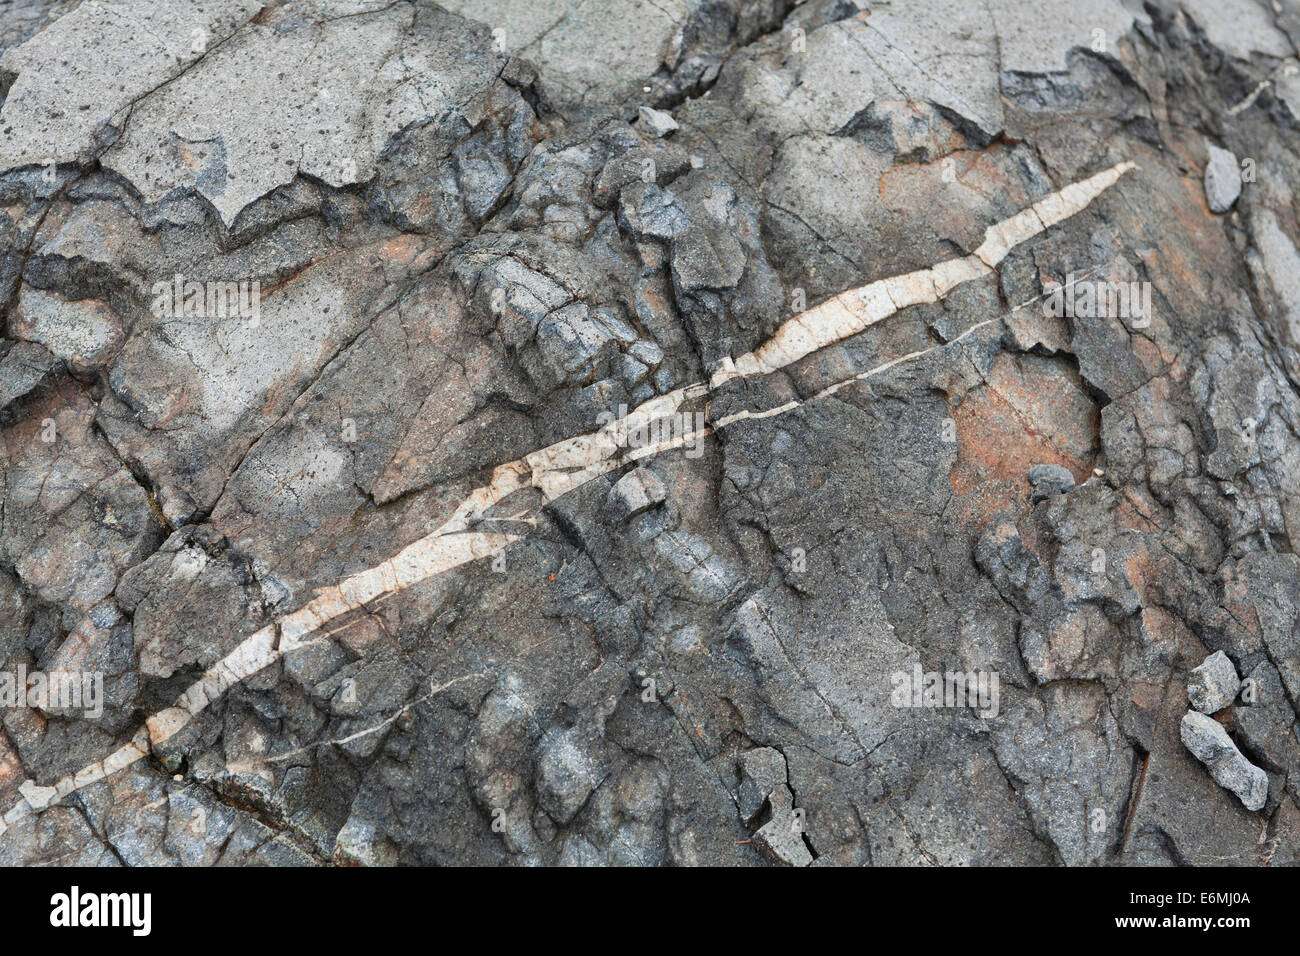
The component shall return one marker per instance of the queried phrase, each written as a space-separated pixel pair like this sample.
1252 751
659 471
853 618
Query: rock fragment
637 491
762 773
1222 180
657 121
781 838
1049 480
1213 685
24 367
763 783
37 797
1210 744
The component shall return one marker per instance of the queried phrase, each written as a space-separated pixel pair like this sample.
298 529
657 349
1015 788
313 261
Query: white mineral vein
572 463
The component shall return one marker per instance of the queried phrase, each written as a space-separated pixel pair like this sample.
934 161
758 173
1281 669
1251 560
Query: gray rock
86 334
58 106
1265 723
1049 480
1066 754
637 491
1280 266
632 371
1041 45
1239 27
657 121
649 211
762 774
1214 684
1222 179
648 352
443 622
763 786
570 340
1210 744
567 773
24 367
782 839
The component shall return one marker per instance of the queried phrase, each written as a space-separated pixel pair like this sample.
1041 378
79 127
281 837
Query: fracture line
851 312
364 731
1288 69
573 462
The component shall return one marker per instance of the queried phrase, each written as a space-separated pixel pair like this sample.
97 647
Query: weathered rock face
1211 745
649 433
1214 684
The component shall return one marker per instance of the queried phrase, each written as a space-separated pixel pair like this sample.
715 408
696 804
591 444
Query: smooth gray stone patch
1036 38
84 333
82 73
1222 180
1241 27
237 125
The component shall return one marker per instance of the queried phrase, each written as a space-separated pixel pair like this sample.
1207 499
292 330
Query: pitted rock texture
649 433
1214 684
1212 746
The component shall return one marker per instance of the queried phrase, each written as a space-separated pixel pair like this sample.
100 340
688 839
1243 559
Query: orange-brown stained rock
1157 628
1032 411
1138 511
1177 269
1144 574
404 247
11 772
1146 697
983 184
1148 353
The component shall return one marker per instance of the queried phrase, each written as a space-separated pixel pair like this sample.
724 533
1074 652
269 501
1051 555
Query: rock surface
1210 744
1049 480
429 456
1214 684
1222 179
657 121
